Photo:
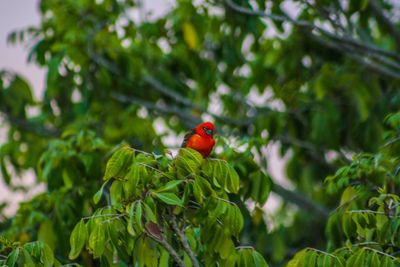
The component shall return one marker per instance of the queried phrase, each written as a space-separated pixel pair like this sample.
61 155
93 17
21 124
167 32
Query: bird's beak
209 132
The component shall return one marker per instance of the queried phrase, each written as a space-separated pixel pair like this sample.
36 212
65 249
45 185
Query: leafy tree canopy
319 79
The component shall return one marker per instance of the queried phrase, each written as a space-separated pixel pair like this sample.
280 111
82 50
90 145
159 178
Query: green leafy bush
162 210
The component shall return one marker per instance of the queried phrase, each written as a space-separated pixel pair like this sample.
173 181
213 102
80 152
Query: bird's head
205 129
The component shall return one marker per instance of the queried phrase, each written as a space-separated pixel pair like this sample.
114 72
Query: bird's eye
207 131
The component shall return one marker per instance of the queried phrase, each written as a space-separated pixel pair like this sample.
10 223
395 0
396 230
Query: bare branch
300 201
380 15
166 110
347 39
26 125
184 242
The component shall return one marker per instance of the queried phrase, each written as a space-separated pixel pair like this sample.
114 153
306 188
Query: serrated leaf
77 239
169 198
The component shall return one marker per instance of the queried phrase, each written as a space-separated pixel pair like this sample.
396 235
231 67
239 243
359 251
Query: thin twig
380 252
161 240
184 242
366 211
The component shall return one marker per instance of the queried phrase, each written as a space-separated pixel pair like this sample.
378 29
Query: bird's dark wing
187 136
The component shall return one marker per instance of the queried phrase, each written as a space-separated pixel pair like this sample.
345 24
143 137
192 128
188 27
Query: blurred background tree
316 78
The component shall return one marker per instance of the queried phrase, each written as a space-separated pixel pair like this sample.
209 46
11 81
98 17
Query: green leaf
46 233
197 192
375 260
77 239
149 213
118 161
237 220
97 239
164 258
116 192
136 173
356 259
12 257
4 171
259 260
169 198
233 180
327 260
138 215
169 186
298 259
245 258
260 187
130 229
28 259
310 258
97 196
188 161
47 257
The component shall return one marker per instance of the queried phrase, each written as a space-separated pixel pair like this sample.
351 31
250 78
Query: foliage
316 79
154 200
364 229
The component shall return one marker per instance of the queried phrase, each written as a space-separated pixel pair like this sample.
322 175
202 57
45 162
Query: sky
16 15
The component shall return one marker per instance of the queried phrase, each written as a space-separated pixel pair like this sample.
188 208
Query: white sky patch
76 96
170 139
142 112
126 42
31 112
164 45
266 98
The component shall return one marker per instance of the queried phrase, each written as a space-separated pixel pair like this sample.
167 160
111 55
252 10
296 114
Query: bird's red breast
201 138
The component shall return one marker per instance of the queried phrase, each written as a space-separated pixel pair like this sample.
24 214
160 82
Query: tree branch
347 39
26 125
161 240
184 242
300 200
380 16
166 110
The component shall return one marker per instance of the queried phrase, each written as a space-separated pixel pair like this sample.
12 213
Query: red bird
201 138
